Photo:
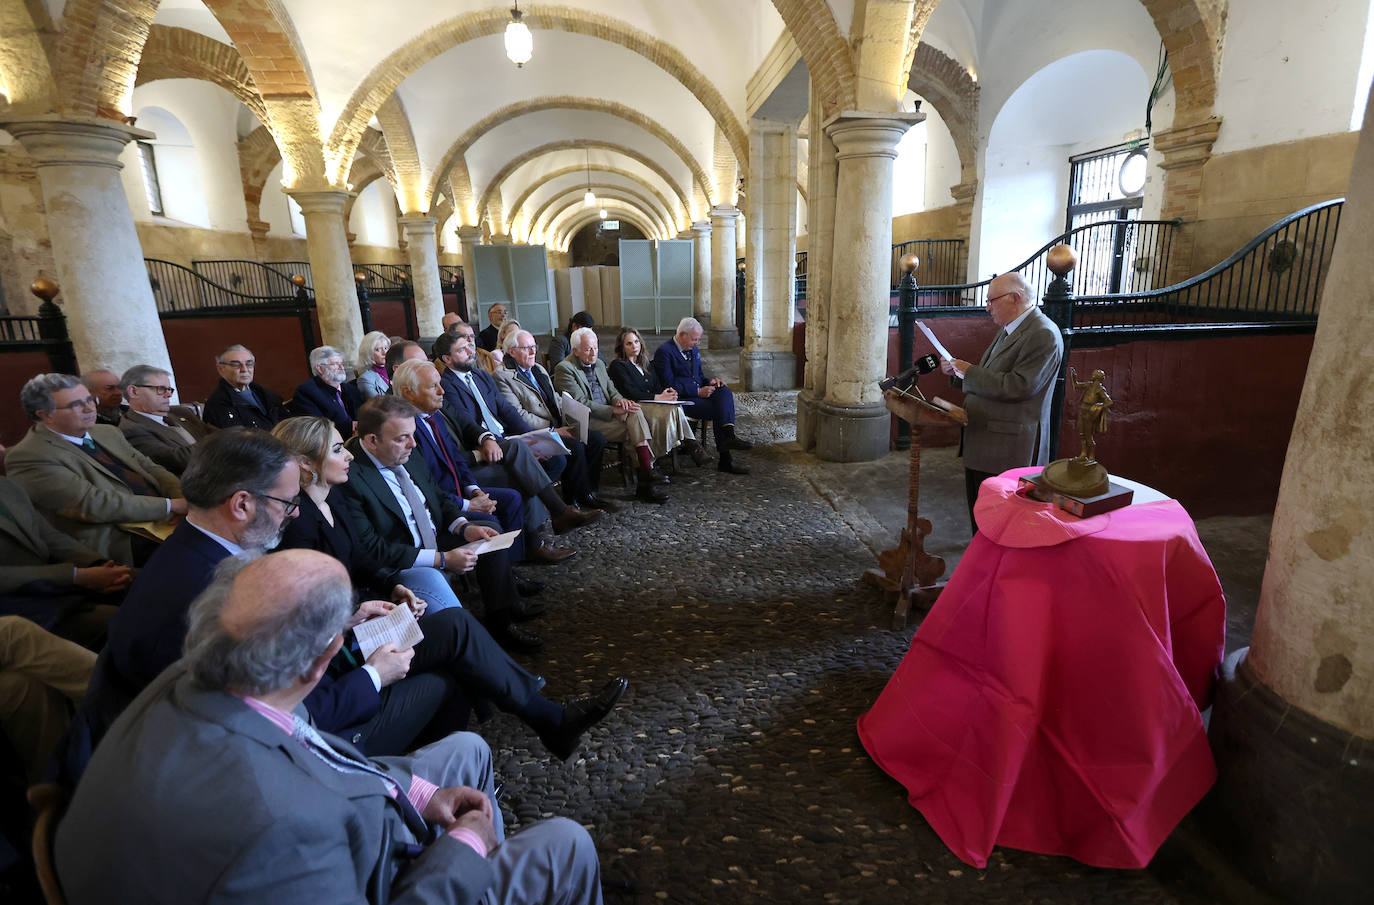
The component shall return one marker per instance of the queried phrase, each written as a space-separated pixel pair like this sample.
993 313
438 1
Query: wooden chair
49 801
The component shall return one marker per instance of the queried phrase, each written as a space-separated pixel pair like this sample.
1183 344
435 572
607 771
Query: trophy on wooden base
1081 485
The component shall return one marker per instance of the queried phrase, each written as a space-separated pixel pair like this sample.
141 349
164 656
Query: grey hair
36 396
236 347
1019 286
406 377
689 325
576 339
275 652
513 339
368 346
318 355
139 374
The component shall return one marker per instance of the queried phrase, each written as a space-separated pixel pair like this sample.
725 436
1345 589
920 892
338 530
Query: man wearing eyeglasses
239 401
151 425
1010 390
85 477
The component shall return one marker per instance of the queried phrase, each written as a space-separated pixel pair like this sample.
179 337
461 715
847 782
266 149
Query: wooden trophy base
1116 497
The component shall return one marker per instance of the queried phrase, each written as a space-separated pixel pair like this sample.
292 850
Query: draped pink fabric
1050 700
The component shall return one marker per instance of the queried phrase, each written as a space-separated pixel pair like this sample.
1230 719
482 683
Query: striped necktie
488 418
132 479
418 511
336 760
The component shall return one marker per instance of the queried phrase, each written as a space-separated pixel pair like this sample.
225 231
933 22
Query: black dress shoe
733 442
592 501
524 611
730 467
581 714
528 587
647 492
515 637
659 477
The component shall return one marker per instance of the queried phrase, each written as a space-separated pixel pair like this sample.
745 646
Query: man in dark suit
238 401
486 423
152 426
326 394
496 316
221 791
1009 391
48 578
678 365
109 400
85 477
402 519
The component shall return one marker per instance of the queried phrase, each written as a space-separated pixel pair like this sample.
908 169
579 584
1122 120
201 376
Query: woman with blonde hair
492 362
373 379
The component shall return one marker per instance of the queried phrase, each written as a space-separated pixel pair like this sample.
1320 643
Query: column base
852 433
763 371
1290 809
806 420
722 338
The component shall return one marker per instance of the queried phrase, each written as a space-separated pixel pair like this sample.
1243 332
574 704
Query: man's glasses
161 391
240 365
289 507
1002 296
88 402
527 348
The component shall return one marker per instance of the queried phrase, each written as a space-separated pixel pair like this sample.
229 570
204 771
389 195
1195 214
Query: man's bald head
264 621
1009 295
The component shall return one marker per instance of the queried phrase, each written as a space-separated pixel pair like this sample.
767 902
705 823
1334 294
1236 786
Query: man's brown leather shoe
574 518
548 553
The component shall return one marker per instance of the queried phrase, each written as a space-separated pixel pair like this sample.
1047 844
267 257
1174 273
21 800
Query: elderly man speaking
222 791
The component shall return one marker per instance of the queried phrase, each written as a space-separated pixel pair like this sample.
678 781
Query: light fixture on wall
519 41
589 198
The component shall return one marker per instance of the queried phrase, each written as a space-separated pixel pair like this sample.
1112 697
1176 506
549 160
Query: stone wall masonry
25 249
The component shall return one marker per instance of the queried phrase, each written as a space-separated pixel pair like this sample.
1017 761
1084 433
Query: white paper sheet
491 544
544 443
397 627
577 412
939 347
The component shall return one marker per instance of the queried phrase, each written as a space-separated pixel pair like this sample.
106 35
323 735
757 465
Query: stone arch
613 192
566 206
258 156
549 177
26 76
824 50
405 172
384 78
570 228
98 53
365 171
453 157
578 144
944 83
1192 31
179 53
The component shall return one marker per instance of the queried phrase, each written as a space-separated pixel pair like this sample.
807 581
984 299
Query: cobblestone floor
731 771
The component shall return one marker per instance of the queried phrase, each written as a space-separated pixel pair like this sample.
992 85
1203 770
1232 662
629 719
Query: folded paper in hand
575 412
491 544
153 531
396 627
544 443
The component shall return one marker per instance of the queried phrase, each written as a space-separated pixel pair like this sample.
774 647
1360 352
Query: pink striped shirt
421 789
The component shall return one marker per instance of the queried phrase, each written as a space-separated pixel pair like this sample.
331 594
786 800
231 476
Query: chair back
49 802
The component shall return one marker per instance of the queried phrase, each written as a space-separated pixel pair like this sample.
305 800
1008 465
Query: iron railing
248 277
942 260
800 276
1114 256
1275 277
287 268
177 288
385 280
18 328
450 276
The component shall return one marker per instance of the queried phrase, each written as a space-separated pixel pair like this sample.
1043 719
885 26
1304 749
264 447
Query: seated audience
402 519
486 425
42 681
373 377
678 365
582 375
238 401
632 376
326 394
448 320
109 399
404 350
58 583
214 789
419 384
496 316
152 425
85 477
561 346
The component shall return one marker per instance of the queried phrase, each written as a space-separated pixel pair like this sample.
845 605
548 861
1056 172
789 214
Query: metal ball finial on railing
909 262
359 277
1061 259
298 280
45 289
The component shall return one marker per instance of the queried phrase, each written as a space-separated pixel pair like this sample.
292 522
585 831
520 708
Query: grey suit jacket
33 550
1009 395
159 442
80 496
192 797
524 397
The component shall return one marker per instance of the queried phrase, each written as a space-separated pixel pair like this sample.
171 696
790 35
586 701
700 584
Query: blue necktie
488 418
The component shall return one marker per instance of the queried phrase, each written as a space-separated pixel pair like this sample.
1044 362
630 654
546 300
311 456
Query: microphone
903 381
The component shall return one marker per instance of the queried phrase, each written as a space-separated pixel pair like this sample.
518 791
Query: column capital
321 201
726 215
470 234
858 133
1187 145
701 229
73 141
419 224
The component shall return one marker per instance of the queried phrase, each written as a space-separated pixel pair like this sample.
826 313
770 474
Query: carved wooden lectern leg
907 570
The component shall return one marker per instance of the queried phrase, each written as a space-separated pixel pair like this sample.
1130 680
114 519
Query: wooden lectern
907 570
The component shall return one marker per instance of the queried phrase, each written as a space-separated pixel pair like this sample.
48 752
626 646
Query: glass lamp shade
602 213
589 199
519 42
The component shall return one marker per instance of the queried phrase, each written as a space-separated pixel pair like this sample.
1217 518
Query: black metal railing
45 331
18 328
287 268
942 260
1114 256
249 277
451 277
1275 277
385 280
177 288
800 276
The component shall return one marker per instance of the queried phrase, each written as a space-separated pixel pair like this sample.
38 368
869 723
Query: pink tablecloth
1050 700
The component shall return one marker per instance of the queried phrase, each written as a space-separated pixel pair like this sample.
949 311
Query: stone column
767 361
1293 730
111 313
701 278
820 177
1185 149
722 332
424 273
336 294
470 237
852 424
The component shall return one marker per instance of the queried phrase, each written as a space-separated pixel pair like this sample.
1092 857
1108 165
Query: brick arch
26 75
404 156
364 172
824 50
258 156
944 83
179 53
616 192
382 81
97 55
1192 31
453 157
549 177
570 228
566 205
578 144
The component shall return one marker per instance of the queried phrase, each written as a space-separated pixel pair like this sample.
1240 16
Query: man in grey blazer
1010 390
85 477
222 792
152 425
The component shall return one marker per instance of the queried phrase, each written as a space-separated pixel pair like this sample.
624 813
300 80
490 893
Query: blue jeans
431 586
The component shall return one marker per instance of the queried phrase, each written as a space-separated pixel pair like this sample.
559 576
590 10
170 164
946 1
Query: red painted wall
15 370
389 316
275 342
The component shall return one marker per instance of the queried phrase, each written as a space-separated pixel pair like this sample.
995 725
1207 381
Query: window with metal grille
1105 185
151 187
